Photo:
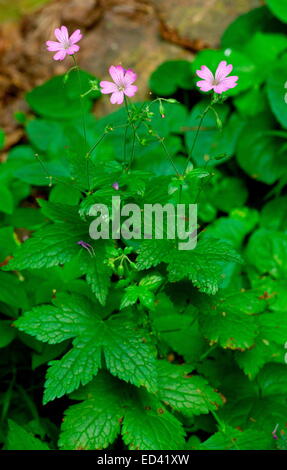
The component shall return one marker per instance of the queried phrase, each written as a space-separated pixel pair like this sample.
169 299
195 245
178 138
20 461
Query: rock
138 34
202 19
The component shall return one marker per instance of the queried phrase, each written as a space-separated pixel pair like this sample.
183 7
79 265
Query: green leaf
98 273
77 367
259 152
272 332
274 214
251 102
267 251
229 438
260 404
54 324
46 136
35 174
188 394
229 193
12 291
211 142
278 8
7 242
228 319
7 334
202 265
130 296
245 26
20 439
127 351
64 194
263 49
170 76
179 331
6 200
26 217
147 425
94 423
277 91
53 245
61 100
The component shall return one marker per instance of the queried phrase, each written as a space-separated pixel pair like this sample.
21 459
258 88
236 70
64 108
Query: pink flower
66 44
121 85
221 82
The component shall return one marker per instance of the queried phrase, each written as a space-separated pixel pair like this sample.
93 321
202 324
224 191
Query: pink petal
58 34
205 73
117 97
117 74
130 90
231 80
223 70
220 88
204 85
130 77
65 33
72 49
60 55
108 87
76 36
226 84
53 46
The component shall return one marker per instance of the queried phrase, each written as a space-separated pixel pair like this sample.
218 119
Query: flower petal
204 85
130 90
226 84
53 46
58 34
60 55
205 73
117 74
108 87
117 97
72 49
65 33
223 70
76 36
130 77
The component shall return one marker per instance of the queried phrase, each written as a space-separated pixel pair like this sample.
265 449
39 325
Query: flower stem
87 155
204 113
134 132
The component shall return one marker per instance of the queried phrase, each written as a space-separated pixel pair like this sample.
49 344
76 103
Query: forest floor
140 34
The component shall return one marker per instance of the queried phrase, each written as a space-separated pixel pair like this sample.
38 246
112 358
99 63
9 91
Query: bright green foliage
109 408
203 265
188 394
64 91
20 439
229 438
278 8
170 76
126 354
95 422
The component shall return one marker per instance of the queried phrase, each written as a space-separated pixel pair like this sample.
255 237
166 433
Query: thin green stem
52 177
81 102
196 135
83 120
95 145
169 156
